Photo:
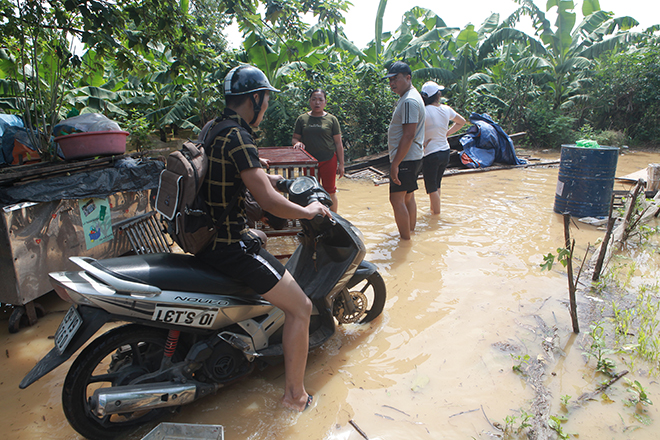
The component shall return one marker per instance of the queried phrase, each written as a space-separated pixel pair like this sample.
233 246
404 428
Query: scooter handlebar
283 185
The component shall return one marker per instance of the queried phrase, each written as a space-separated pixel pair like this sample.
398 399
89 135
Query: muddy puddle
467 301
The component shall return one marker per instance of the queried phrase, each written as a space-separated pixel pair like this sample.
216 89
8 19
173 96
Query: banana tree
570 49
512 84
458 58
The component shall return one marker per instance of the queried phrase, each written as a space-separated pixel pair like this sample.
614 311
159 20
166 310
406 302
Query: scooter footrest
315 339
320 336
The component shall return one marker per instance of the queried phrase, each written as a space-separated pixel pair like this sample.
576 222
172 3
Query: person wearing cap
405 138
436 146
236 252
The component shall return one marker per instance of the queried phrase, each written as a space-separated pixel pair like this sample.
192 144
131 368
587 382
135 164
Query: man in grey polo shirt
405 144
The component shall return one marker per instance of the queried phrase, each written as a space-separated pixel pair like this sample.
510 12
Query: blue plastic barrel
586 180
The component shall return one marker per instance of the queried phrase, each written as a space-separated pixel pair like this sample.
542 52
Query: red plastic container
92 143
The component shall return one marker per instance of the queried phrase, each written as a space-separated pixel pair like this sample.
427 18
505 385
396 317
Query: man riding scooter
236 252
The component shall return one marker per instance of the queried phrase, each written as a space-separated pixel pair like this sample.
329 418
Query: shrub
627 87
548 128
611 138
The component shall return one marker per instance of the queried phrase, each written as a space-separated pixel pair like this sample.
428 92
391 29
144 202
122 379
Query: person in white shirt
436 147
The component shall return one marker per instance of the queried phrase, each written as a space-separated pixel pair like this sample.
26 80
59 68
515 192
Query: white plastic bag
85 123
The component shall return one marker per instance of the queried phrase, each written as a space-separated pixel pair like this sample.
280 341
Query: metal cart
39 237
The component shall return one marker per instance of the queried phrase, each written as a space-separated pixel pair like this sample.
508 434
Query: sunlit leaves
548 262
589 7
467 36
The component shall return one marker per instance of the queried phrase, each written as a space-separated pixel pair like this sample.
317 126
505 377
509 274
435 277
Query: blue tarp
485 143
10 126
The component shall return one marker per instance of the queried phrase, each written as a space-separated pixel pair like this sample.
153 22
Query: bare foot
299 405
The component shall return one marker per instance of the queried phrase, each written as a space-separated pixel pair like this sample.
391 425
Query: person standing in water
436 146
405 138
318 133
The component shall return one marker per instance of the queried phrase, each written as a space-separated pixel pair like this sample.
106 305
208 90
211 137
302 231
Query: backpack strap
210 135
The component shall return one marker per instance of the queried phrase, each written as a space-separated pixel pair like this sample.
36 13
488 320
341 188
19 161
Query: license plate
192 317
67 329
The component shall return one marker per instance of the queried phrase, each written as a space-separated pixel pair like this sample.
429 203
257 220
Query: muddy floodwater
467 301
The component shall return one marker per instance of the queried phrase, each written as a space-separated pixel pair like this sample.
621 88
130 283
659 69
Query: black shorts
433 168
408 174
248 262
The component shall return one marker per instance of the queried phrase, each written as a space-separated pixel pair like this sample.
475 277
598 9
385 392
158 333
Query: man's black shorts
248 262
408 174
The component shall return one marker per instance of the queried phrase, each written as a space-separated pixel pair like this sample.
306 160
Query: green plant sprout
514 425
598 349
636 326
521 359
639 393
555 424
563 255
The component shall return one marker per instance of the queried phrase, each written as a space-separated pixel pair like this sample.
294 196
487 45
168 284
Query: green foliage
548 128
598 349
639 393
515 425
563 255
520 360
627 85
636 326
587 132
639 400
548 262
139 130
164 60
555 424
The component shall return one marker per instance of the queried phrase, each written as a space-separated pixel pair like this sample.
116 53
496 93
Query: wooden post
606 240
630 210
569 267
653 177
603 249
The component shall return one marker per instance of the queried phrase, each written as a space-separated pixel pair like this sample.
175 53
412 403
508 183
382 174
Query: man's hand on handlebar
315 209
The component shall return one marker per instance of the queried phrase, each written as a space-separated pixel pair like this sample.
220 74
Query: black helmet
246 79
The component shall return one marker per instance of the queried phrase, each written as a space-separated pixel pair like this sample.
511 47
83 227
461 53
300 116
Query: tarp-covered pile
485 143
127 175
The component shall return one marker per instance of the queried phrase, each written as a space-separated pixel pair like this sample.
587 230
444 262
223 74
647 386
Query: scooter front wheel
114 359
363 303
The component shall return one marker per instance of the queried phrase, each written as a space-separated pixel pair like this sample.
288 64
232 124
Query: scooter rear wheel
116 358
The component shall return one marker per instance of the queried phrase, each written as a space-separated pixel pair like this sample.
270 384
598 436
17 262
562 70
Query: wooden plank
41 170
634 177
453 171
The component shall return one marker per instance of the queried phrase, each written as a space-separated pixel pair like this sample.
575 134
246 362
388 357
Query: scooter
191 330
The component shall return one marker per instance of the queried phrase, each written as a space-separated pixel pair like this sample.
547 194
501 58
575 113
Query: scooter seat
177 272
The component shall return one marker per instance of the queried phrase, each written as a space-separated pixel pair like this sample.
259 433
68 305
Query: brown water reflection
463 297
